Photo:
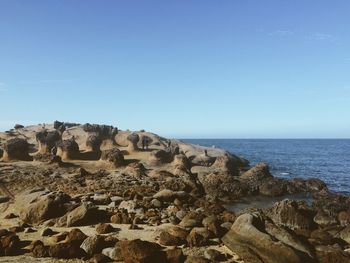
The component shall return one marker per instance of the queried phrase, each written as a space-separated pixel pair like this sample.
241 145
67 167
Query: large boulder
70 247
93 245
259 171
16 149
82 215
37 207
113 156
250 240
258 177
220 184
139 251
226 163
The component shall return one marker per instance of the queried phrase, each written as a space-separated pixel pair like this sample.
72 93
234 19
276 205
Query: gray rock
114 253
92 245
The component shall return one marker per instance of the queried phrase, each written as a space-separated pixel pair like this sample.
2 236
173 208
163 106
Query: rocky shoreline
73 193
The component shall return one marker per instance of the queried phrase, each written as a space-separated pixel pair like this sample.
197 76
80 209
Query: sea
326 159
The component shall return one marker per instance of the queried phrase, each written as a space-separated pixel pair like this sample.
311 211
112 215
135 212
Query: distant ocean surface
326 159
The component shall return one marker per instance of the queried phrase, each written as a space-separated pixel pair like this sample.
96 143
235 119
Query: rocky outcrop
16 149
218 185
226 163
99 135
292 214
256 243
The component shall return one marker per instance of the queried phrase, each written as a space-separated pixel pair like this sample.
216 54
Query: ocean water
326 159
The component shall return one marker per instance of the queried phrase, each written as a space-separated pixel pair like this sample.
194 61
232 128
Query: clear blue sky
188 69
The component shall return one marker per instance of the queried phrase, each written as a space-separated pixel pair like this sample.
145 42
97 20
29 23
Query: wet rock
274 187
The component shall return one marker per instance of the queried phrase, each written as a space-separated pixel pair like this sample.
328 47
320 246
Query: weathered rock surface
249 239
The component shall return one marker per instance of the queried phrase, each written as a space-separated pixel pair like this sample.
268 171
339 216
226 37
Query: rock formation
47 140
68 149
16 149
114 156
133 139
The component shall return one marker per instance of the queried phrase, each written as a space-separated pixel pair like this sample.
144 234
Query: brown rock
199 236
249 240
104 228
38 249
138 251
167 239
175 256
16 149
292 214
